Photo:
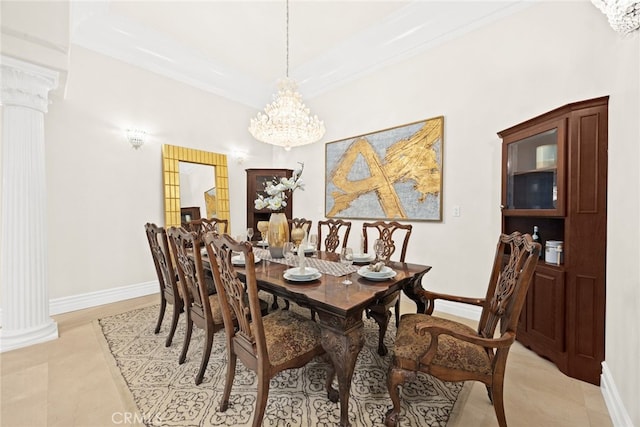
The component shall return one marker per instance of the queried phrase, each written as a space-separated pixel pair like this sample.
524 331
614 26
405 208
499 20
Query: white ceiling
237 49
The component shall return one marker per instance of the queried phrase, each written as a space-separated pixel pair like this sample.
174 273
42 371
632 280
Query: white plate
363 257
384 271
238 260
302 279
262 243
307 250
295 272
378 276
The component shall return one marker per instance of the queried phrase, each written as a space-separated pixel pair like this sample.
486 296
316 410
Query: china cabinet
256 180
554 177
189 214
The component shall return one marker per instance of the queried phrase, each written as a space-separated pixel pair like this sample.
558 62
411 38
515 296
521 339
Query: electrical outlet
456 210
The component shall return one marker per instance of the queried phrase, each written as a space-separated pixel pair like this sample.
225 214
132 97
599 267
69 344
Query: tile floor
68 382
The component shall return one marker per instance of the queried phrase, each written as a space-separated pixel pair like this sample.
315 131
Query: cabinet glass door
534 179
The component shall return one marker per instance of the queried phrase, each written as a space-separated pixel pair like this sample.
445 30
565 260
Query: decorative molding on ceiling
411 30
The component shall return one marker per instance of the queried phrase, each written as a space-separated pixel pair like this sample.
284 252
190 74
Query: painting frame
394 174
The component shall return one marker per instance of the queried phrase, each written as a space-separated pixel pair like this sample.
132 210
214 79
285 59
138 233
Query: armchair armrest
435 331
430 297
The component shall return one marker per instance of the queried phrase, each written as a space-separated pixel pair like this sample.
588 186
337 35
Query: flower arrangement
277 191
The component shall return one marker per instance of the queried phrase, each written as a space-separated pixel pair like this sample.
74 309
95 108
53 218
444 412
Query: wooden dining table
339 308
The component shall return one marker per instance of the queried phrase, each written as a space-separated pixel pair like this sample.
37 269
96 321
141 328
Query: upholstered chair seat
452 353
287 334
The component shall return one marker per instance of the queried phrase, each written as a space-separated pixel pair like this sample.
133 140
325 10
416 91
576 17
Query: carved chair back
238 301
191 274
169 288
385 232
337 232
159 245
508 284
205 225
303 223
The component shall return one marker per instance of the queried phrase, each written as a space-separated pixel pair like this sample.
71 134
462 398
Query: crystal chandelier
623 15
287 122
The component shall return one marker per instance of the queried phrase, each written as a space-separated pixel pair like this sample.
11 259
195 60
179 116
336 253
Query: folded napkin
301 258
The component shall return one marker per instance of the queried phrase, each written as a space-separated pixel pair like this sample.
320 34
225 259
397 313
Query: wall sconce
239 156
136 137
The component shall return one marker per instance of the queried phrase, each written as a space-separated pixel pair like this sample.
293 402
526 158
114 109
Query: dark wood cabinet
189 214
256 180
555 178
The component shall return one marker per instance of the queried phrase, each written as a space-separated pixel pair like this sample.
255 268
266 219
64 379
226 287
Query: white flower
277 190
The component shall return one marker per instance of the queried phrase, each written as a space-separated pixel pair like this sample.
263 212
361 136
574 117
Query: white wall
101 192
544 57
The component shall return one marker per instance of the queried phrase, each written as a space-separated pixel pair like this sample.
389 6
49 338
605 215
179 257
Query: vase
297 234
278 233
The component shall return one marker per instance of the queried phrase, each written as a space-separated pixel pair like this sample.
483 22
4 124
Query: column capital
25 84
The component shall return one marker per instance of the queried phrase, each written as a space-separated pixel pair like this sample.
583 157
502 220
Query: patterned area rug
166 395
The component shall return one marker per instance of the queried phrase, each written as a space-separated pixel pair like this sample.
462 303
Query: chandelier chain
287 72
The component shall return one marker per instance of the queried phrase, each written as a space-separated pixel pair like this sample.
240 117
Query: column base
11 340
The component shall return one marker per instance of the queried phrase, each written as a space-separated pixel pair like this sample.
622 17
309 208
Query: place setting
376 272
301 273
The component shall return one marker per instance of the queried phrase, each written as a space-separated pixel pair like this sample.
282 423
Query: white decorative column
23 233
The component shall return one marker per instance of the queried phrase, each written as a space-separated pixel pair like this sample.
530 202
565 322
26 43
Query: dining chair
200 227
267 344
453 351
392 234
201 309
170 292
337 232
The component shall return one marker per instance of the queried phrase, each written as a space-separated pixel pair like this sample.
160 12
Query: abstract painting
392 174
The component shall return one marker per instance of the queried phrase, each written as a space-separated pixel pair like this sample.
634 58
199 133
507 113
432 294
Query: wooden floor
68 382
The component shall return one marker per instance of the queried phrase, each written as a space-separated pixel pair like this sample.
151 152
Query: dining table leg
343 346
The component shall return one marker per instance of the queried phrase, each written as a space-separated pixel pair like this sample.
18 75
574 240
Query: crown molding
413 29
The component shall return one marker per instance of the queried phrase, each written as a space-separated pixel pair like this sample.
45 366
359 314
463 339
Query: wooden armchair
169 291
265 344
452 351
201 309
337 232
387 232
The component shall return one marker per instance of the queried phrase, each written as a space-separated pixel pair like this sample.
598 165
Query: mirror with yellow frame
172 156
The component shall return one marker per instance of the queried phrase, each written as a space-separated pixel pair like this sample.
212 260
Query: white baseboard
107 296
49 331
467 311
618 413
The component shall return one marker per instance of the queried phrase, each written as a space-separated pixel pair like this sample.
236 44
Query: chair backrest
191 273
205 225
237 296
303 223
337 231
386 232
159 245
513 267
